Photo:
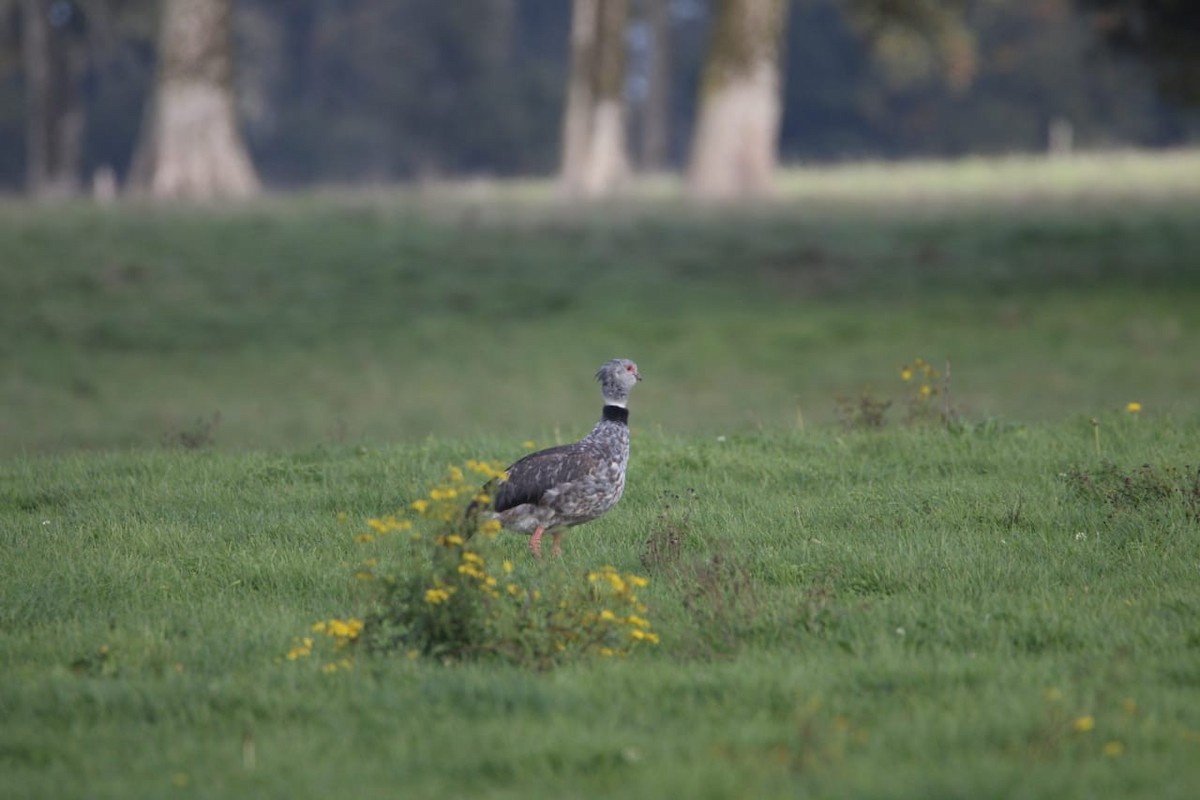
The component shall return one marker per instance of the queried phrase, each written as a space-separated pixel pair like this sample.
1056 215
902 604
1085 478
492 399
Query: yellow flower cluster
342 631
302 649
445 502
438 596
486 470
609 584
382 527
925 373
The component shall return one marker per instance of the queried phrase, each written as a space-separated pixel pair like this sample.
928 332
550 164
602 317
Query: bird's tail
480 504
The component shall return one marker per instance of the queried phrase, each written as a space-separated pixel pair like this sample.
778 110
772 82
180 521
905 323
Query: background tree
1164 34
594 155
190 144
735 147
349 91
54 58
655 117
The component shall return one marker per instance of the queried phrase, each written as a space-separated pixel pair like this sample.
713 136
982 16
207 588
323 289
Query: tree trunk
190 144
594 152
734 150
54 59
656 113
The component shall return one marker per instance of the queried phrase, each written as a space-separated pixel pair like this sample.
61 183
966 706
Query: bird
551 490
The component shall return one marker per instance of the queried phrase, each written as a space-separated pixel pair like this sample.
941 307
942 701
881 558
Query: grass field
202 408
354 318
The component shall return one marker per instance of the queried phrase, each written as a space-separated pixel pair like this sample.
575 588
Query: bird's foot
556 544
535 543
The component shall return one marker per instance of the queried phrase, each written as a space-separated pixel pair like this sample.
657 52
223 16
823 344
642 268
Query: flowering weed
437 584
923 386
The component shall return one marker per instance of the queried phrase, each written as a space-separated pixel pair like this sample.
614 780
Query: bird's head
616 378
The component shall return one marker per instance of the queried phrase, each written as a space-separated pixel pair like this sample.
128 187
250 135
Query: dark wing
537 473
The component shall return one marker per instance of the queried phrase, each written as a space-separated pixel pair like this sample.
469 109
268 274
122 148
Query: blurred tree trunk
656 113
54 57
190 145
734 150
594 160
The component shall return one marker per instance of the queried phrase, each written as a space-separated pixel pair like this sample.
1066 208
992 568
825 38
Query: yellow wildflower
1134 407
607 616
926 390
456 474
472 558
906 373
472 571
302 649
637 622
508 567
436 596
364 538
420 506
344 629
638 581
1113 749
528 444
513 589
1084 724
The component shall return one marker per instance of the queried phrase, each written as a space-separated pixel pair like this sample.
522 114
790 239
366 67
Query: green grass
927 613
907 612
353 318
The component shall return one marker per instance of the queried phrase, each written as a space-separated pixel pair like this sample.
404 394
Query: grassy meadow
202 407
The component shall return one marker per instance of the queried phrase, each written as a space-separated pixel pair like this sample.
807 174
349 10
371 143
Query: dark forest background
380 90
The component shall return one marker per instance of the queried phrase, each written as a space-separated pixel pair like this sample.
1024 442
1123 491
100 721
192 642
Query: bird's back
569 484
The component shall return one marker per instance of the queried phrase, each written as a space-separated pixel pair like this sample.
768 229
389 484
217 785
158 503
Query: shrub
438 585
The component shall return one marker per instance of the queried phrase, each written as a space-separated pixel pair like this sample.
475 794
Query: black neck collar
616 414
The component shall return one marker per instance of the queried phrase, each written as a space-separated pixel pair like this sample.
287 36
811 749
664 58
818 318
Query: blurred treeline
378 90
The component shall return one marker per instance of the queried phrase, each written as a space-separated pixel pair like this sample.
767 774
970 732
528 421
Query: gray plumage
561 487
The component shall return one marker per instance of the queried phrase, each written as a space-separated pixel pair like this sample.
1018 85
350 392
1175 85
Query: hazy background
348 91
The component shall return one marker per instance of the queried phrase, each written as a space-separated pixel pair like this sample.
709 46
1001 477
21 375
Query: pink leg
555 544
535 542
